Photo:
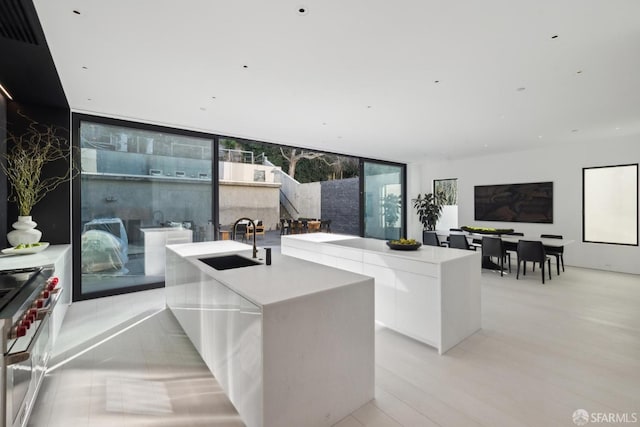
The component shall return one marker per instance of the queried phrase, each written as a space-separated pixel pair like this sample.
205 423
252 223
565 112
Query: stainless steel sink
227 262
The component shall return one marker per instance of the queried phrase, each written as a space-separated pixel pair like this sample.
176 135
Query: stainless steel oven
27 299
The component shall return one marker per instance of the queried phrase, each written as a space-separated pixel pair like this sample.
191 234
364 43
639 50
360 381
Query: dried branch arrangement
26 155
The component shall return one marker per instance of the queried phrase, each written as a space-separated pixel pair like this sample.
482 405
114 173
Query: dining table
555 243
486 261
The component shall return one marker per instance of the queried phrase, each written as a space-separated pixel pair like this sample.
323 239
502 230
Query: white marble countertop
431 254
287 278
320 237
46 257
163 229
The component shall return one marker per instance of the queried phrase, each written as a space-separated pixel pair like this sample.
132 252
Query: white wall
244 172
307 200
563 166
257 201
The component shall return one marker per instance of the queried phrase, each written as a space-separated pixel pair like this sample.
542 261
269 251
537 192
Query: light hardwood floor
544 351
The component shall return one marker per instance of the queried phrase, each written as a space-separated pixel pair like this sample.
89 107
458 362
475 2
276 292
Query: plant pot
25 232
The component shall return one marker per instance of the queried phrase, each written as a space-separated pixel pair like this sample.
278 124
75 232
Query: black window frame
77 118
76 197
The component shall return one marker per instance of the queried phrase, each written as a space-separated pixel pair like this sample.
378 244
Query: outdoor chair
325 225
284 226
240 230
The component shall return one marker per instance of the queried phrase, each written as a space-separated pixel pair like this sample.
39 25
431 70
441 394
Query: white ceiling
396 80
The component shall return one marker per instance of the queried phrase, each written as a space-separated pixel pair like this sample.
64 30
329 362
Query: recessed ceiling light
302 10
77 12
520 89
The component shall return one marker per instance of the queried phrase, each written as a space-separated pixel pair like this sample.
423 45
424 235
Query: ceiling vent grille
14 23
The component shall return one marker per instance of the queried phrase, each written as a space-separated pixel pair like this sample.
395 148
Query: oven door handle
21 356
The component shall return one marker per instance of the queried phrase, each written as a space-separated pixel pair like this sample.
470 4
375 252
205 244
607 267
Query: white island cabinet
291 344
155 239
431 294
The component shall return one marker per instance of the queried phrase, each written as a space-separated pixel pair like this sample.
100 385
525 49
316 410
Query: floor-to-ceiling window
144 186
384 200
280 186
141 187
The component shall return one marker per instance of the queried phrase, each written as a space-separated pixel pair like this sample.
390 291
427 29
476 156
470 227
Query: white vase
25 232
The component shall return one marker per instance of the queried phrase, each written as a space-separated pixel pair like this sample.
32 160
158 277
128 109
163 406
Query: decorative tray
405 246
486 230
26 250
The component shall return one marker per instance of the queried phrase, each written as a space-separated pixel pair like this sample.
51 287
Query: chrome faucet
253 224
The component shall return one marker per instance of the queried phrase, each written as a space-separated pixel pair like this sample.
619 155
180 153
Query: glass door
384 200
141 188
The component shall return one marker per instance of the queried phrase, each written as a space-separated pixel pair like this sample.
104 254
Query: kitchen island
431 294
291 344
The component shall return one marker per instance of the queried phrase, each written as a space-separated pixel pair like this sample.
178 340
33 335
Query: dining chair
452 230
532 250
459 241
430 238
556 251
494 247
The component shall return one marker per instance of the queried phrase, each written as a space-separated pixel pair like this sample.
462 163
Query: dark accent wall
53 213
3 177
28 72
340 203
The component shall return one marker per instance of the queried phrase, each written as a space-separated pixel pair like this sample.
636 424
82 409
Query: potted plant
24 160
429 209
